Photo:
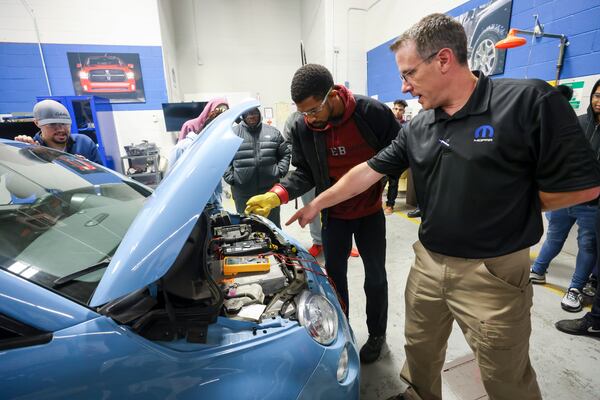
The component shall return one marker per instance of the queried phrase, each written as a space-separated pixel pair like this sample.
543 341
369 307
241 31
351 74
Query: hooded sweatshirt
198 123
591 129
347 148
590 126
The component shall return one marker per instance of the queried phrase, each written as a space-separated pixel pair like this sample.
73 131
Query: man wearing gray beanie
54 122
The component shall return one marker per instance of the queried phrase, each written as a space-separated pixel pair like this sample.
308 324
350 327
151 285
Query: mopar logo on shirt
485 133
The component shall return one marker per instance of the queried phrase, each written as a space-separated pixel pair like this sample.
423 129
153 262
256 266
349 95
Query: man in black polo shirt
486 156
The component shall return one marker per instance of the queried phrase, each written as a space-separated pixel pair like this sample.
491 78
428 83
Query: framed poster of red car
116 76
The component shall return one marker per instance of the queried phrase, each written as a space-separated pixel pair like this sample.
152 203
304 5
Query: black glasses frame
406 75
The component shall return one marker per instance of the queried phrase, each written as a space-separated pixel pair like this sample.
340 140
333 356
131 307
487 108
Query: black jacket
590 126
591 129
262 159
374 120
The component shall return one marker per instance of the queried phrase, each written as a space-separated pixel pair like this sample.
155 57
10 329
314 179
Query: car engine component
249 254
232 233
247 247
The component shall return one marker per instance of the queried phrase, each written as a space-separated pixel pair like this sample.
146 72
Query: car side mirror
130 65
78 65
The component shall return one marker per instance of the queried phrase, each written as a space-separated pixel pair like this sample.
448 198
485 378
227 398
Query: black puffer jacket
262 159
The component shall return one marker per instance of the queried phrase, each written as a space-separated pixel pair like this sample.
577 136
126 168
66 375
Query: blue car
109 290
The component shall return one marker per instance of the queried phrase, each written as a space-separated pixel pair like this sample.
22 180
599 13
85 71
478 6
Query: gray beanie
51 112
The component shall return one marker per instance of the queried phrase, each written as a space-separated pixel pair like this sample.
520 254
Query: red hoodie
346 148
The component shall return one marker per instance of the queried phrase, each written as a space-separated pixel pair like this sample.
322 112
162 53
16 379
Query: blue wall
22 76
579 20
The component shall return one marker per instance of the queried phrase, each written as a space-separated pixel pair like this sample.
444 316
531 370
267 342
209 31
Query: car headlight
83 75
130 75
318 316
342 369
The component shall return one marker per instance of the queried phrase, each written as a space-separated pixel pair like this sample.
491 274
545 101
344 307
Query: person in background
589 325
339 130
392 191
399 109
482 178
183 145
198 123
560 223
590 123
54 122
261 161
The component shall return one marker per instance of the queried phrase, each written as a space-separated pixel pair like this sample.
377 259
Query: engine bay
232 266
257 271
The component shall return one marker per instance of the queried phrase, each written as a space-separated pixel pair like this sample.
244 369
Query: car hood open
158 233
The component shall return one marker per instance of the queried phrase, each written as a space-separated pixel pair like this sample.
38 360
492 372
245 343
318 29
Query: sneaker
354 252
581 326
590 287
372 349
388 210
537 278
315 249
572 300
416 213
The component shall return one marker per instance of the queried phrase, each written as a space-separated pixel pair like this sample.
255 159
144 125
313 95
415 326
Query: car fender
38 307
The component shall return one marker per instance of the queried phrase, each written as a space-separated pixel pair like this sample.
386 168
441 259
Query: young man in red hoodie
339 131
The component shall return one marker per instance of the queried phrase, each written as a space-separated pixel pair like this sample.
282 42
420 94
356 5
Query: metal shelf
149 178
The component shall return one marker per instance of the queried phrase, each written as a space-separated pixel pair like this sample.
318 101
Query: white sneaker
537 278
572 300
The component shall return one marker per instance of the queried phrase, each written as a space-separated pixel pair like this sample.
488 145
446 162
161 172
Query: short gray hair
433 33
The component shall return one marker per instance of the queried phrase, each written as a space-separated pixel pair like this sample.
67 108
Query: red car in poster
106 74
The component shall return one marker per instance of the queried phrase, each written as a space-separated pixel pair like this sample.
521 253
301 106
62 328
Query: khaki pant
490 299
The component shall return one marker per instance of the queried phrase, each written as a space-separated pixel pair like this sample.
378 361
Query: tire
485 57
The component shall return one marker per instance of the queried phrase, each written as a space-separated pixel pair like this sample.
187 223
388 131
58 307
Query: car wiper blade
71 277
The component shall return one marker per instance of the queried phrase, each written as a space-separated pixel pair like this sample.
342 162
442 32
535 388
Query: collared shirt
77 144
477 173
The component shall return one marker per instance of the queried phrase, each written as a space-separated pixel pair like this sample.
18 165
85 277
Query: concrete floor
566 365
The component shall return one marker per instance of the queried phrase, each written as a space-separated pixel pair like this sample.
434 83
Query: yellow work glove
262 204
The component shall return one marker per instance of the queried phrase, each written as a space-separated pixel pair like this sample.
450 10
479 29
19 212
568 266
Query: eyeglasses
318 109
404 76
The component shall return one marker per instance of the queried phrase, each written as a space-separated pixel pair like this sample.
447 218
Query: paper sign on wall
577 87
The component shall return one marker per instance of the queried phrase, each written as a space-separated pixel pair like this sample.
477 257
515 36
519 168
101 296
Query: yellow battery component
236 265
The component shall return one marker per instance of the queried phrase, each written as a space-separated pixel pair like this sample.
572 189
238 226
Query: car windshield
61 214
103 61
